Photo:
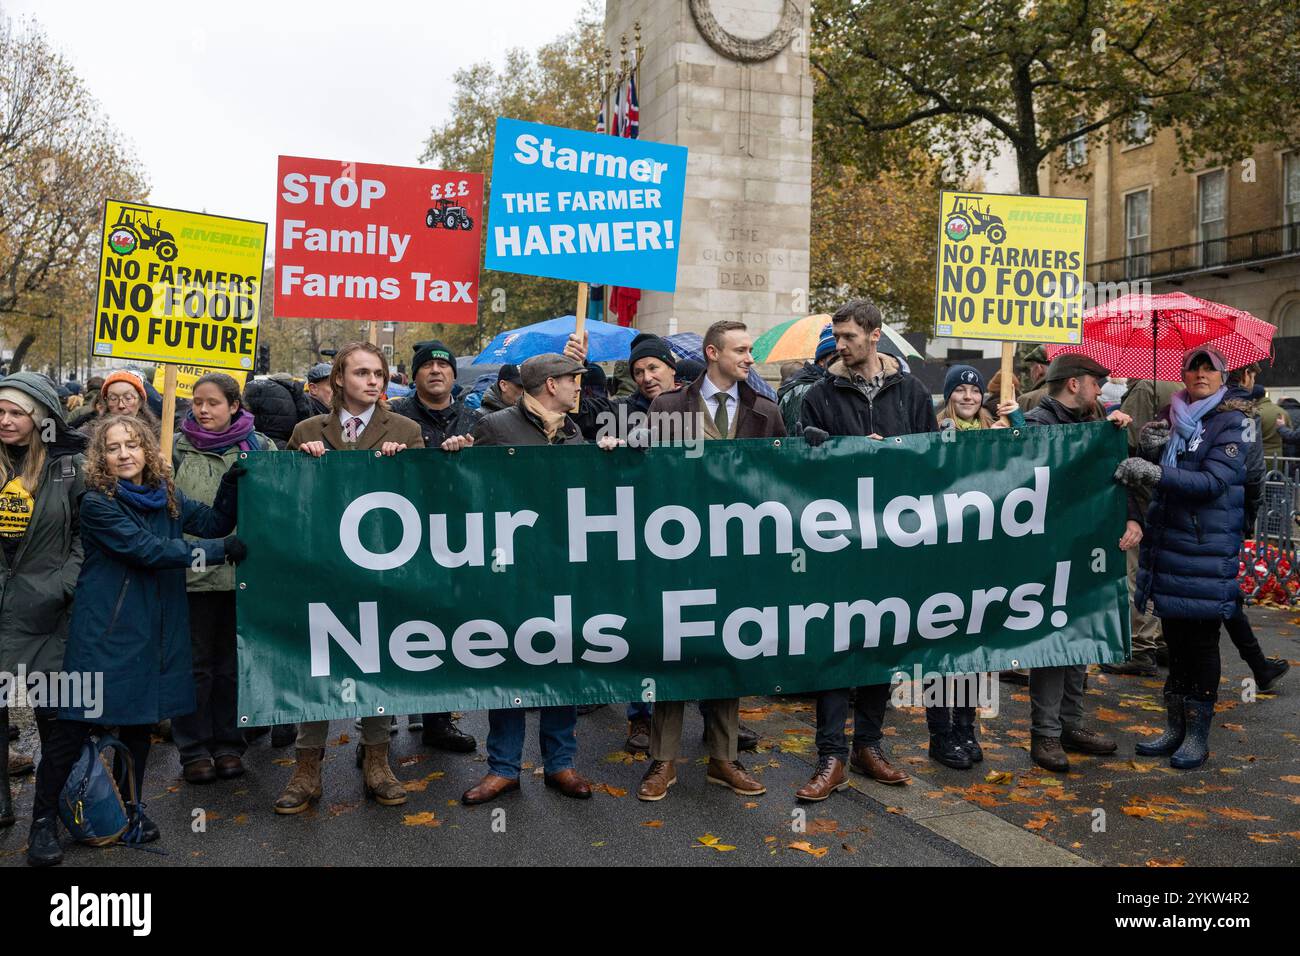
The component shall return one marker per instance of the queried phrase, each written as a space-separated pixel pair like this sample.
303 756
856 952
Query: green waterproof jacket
198 475
36 592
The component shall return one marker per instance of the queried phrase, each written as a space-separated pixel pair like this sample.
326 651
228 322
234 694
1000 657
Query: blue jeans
505 742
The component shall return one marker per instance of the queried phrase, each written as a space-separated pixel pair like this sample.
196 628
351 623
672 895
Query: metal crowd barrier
1271 571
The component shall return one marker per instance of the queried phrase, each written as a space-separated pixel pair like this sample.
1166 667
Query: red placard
376 243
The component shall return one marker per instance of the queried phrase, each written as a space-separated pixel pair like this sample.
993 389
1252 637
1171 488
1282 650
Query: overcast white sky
210 93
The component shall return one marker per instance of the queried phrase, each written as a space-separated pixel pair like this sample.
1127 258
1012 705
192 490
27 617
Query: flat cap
318 372
1066 366
536 370
1037 354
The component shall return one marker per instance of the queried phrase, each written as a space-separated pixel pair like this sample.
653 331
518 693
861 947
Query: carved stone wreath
738 48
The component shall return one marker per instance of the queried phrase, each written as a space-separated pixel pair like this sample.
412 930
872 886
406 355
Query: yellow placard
187 375
179 287
1011 267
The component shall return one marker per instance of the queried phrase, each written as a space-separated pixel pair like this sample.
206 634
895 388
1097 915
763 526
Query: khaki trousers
1145 627
721 726
312 733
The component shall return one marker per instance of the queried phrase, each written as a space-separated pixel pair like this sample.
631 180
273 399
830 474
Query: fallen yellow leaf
1232 813
426 819
806 847
421 785
712 843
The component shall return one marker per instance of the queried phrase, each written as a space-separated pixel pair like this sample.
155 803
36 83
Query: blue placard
585 206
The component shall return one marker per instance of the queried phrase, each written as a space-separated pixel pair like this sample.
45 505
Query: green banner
507 577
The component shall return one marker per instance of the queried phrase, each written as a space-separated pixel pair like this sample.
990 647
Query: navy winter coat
130 616
1189 558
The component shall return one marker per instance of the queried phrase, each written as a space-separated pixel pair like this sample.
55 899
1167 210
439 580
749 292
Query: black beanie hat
594 377
649 345
428 351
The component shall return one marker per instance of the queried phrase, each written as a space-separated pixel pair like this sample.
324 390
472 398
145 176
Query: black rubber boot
1196 742
43 843
1172 738
1266 677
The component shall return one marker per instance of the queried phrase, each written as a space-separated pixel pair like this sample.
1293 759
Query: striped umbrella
796 339
1146 336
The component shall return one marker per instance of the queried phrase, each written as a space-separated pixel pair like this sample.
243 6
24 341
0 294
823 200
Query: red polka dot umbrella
1146 336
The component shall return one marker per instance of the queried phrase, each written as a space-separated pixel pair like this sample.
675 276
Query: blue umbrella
690 345
606 342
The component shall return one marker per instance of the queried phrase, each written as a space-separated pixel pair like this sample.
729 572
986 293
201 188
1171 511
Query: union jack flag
630 127
600 120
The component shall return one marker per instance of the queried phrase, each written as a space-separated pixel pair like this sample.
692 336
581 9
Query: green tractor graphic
447 215
135 228
969 217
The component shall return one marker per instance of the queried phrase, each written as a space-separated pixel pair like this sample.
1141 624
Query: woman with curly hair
130 618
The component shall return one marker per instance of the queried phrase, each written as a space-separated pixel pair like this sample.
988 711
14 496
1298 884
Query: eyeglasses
122 401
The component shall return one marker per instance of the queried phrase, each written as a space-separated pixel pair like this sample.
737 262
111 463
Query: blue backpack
91 804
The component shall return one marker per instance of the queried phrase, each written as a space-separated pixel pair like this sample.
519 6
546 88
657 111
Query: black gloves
814 436
236 550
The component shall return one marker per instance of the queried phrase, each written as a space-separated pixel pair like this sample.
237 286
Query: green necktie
720 416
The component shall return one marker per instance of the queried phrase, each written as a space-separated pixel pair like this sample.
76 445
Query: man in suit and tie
721 404
358 421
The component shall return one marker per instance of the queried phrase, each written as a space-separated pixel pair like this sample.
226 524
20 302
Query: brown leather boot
638 737
20 763
381 783
870 760
570 783
661 775
829 777
730 773
1048 753
304 786
489 788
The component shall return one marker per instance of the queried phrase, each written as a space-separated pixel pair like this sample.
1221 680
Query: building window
1212 216
1291 201
388 327
1076 150
388 350
1137 233
1139 126
1288 323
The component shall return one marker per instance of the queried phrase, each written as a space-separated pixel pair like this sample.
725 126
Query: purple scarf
238 433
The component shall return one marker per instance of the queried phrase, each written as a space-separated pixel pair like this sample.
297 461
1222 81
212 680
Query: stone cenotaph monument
729 80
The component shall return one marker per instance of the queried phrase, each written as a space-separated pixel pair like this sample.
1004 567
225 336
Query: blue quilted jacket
1189 558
